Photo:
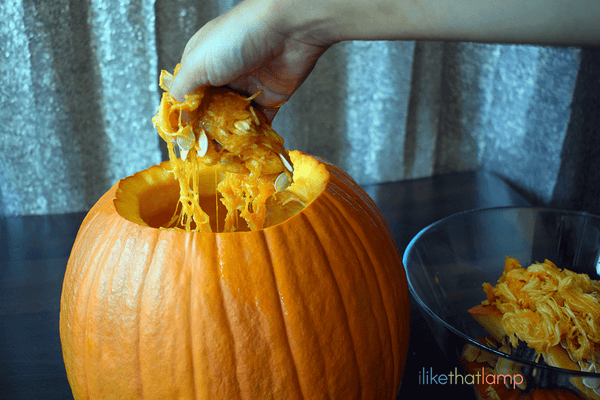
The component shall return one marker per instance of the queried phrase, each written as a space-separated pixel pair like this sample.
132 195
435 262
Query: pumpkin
315 306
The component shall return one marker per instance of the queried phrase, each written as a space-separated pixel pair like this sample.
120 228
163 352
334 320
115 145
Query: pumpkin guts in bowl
547 315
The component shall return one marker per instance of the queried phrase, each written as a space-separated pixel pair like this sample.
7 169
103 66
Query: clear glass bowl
447 263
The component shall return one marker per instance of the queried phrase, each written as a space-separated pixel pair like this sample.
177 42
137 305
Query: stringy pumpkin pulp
216 126
543 306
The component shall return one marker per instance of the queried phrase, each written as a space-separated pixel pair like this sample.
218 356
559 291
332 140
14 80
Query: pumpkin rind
314 307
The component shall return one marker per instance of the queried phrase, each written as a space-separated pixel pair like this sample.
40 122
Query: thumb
222 50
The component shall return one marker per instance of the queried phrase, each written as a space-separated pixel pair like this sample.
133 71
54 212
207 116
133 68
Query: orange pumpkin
313 307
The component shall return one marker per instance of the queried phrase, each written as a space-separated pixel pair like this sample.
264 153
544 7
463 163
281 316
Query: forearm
272 45
574 22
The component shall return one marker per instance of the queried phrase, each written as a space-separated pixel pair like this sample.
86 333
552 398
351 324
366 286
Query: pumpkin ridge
340 299
302 332
155 238
390 320
227 317
382 275
389 274
109 283
349 185
87 222
191 325
94 284
125 271
375 295
96 212
371 276
304 217
77 291
140 308
104 201
99 263
281 313
197 324
365 205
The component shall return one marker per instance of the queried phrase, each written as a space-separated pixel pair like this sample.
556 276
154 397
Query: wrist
312 22
325 22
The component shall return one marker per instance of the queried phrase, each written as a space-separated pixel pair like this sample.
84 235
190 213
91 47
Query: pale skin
273 45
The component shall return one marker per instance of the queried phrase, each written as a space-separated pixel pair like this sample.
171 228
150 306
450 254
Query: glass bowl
446 265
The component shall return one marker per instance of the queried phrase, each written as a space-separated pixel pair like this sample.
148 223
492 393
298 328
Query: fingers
186 80
252 84
268 102
243 50
269 112
209 55
194 70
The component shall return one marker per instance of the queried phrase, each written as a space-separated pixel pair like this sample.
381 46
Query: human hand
250 48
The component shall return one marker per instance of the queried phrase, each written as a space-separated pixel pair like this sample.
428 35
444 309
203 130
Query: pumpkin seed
268 146
592 383
256 120
202 143
282 182
186 140
167 80
185 143
184 153
286 163
242 126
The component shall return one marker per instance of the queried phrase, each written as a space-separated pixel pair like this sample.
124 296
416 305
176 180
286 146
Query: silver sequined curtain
78 87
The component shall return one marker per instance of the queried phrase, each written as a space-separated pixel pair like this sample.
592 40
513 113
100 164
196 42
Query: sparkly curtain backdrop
78 88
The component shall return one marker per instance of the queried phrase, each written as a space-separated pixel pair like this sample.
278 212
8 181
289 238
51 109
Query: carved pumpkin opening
150 197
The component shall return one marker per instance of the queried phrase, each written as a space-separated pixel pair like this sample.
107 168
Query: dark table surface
34 252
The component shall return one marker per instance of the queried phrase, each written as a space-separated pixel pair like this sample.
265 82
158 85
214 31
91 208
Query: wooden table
34 252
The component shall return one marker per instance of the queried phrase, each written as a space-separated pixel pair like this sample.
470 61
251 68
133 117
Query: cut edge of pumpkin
149 197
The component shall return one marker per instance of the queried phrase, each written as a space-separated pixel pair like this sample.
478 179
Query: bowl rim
467 338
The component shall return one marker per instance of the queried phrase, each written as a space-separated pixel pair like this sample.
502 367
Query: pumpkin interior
150 197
